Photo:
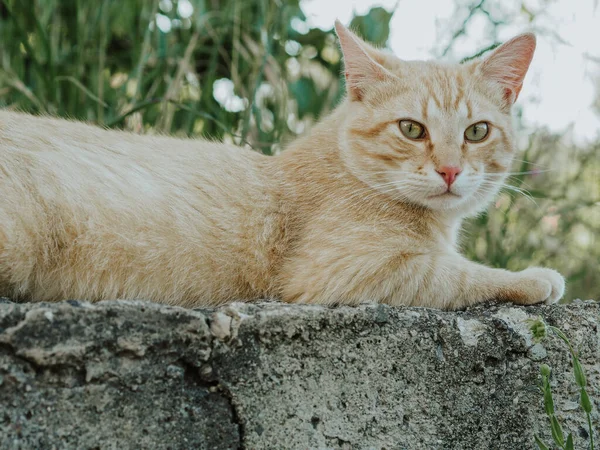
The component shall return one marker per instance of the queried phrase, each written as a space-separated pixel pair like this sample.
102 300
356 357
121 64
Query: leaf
557 433
305 91
560 334
541 444
585 401
569 444
579 373
85 90
373 26
548 401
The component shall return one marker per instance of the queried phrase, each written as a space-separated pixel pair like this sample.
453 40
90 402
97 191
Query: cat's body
89 213
94 214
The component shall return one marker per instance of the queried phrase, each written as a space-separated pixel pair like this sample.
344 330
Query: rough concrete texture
119 375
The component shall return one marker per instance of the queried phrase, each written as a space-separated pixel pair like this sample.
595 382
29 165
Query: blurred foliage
253 72
155 65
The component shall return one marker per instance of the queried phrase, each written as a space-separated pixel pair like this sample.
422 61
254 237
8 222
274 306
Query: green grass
541 330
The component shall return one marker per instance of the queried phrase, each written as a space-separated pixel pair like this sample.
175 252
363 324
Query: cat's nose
449 173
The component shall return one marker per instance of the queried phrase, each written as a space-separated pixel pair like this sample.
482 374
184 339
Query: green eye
477 132
412 129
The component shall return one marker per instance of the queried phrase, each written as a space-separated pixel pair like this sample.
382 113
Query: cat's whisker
530 172
524 183
528 162
508 187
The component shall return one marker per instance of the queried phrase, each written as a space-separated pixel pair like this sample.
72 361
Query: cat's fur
350 212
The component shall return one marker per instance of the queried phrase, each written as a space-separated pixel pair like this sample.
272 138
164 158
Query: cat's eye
477 132
412 129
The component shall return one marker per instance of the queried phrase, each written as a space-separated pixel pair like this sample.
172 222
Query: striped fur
353 211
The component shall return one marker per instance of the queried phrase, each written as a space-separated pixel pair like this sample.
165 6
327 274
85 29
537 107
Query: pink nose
449 174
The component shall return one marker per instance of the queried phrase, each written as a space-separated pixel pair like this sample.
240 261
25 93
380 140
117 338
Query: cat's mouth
445 194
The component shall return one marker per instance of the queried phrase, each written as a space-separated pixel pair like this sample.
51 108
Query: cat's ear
508 64
360 68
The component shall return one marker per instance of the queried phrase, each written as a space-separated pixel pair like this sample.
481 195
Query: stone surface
121 375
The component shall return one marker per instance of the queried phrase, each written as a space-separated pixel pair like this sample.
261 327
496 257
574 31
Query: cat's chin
445 195
446 201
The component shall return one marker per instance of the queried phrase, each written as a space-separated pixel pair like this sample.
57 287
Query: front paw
541 285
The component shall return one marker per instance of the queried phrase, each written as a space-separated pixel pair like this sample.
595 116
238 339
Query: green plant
540 330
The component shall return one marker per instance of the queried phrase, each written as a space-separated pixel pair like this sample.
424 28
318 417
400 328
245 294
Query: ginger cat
365 207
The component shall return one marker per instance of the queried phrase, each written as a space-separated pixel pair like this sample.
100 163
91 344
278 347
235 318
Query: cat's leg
17 259
437 280
450 281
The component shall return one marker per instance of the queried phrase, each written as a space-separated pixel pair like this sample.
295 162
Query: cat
367 206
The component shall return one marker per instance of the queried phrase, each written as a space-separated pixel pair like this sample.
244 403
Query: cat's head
438 135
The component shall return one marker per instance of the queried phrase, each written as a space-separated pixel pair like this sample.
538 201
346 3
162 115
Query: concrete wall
120 375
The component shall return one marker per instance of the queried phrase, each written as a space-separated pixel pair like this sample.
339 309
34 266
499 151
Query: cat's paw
542 285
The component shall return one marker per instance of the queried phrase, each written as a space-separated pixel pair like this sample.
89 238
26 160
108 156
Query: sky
562 81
